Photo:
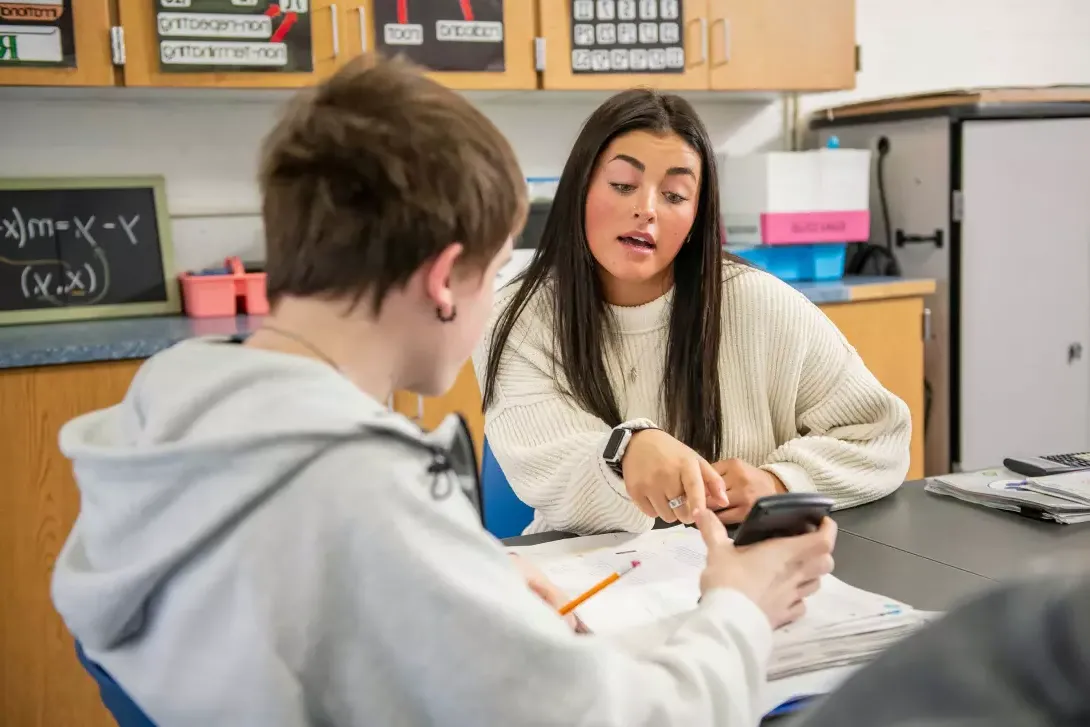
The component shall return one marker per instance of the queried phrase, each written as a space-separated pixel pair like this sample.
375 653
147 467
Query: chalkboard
84 248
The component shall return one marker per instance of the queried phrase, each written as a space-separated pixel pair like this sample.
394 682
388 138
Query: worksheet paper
843 625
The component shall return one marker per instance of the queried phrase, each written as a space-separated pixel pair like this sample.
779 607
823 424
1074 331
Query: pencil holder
224 292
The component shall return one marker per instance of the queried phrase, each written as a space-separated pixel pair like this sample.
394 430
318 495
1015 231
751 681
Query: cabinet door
1024 301
782 45
266 39
463 398
418 39
887 334
86 22
39 503
601 38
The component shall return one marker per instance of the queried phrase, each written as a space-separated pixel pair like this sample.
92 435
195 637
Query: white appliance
993 202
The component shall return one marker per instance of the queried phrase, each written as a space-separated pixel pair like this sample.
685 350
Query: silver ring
676 502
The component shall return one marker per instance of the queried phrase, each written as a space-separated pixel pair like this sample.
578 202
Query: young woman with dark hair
635 370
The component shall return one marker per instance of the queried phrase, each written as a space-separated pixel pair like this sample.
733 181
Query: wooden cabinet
518 41
94 64
556 29
730 45
44 685
142 50
789 45
463 398
888 334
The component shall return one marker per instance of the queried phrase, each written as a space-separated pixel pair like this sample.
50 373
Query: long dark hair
690 391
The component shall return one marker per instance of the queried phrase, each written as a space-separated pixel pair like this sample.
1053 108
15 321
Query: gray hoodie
262 544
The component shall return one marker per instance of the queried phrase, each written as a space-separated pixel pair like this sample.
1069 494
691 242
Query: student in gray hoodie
262 544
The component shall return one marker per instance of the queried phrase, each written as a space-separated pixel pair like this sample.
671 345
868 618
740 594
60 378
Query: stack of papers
1060 498
843 626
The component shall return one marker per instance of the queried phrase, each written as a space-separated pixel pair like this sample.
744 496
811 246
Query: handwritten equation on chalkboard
79 248
36 281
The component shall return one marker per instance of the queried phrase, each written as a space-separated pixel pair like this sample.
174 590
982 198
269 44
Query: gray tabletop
981 541
931 551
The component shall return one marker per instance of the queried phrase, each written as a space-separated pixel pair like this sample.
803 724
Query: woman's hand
546 591
745 485
658 468
775 574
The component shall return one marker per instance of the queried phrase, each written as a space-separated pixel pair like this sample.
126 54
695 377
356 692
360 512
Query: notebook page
666 583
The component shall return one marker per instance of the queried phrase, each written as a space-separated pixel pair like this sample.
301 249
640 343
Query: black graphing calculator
1048 464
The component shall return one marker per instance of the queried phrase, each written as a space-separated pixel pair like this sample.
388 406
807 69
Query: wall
206 143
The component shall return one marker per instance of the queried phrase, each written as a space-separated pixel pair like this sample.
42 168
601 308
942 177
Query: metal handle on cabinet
726 41
419 409
703 40
363 27
333 12
927 333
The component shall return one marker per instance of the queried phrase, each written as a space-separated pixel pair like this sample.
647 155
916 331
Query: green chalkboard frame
173 302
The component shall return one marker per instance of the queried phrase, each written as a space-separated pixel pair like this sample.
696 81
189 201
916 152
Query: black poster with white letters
627 36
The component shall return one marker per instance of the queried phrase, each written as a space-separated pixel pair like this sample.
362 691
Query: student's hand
775 574
745 485
546 591
658 468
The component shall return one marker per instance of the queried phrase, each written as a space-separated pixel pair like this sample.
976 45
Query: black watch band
617 445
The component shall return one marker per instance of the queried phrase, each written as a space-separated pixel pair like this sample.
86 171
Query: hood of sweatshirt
207 432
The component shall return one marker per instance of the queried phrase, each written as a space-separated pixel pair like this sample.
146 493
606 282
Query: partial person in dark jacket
1018 656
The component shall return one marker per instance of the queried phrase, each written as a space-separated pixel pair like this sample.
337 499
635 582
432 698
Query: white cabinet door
1025 294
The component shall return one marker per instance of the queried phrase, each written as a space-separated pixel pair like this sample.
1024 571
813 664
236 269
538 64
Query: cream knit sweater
797 400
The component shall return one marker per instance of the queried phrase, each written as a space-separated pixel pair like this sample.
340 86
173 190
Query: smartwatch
617 445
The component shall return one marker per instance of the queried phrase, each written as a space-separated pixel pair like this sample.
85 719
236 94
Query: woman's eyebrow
631 160
672 171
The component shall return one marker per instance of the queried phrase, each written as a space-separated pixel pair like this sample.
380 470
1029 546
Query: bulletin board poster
627 36
443 35
234 36
37 33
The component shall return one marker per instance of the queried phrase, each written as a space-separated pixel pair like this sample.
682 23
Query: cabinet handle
726 41
703 41
419 409
363 28
333 13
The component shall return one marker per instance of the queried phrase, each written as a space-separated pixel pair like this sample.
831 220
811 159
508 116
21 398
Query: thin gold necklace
302 342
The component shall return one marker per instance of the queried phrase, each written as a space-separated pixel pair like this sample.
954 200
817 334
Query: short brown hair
372 173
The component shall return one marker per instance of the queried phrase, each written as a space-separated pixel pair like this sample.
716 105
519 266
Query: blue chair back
123 709
502 512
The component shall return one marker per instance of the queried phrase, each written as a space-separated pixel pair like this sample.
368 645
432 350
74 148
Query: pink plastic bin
209 296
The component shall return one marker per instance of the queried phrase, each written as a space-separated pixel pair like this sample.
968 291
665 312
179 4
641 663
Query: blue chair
120 705
502 512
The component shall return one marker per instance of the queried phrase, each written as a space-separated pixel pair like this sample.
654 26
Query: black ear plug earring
446 319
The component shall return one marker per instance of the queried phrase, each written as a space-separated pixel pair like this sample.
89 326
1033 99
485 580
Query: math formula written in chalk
81 248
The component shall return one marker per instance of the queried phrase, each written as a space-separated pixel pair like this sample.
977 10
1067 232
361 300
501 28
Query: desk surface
985 542
931 551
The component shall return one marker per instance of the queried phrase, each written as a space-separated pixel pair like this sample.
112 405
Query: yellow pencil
611 578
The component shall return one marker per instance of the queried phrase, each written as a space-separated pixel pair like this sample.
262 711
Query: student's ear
438 276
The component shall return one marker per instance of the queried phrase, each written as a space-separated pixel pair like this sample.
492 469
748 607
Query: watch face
613 444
